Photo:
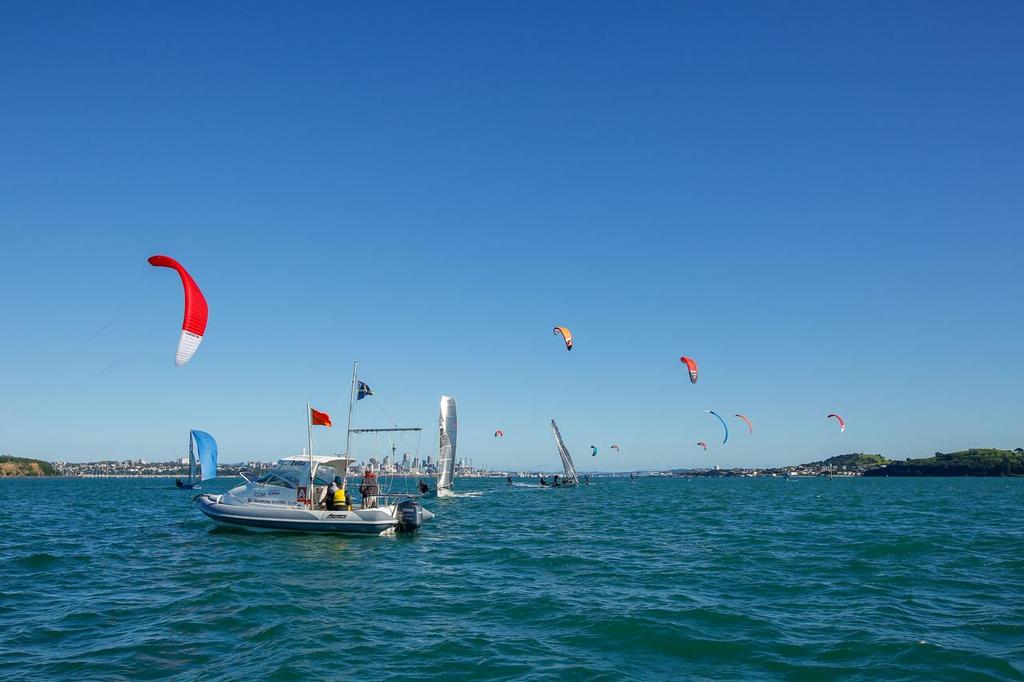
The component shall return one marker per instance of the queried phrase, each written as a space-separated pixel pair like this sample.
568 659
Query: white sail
448 427
563 452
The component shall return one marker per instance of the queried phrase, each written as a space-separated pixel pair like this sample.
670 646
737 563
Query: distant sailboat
448 427
570 478
207 447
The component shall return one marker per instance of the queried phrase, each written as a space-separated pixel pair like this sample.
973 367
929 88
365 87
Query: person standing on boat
424 488
329 497
508 479
369 489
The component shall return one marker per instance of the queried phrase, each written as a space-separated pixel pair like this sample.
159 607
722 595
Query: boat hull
263 517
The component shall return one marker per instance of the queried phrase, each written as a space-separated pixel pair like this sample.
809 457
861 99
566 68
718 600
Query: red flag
319 418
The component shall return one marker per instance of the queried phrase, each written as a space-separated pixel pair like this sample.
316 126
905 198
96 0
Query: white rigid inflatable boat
279 500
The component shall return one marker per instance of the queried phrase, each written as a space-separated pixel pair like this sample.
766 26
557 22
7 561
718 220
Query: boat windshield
292 476
280 476
324 475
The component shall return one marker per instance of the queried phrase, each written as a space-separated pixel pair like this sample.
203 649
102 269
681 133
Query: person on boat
424 488
369 489
341 501
332 488
508 479
542 481
556 480
586 479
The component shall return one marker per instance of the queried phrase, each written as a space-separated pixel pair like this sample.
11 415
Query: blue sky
820 202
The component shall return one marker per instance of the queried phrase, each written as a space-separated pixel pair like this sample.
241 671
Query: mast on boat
191 459
349 431
309 439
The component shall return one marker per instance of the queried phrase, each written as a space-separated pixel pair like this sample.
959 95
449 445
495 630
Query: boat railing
389 498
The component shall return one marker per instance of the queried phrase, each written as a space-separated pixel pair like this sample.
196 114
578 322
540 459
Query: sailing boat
207 460
570 478
448 425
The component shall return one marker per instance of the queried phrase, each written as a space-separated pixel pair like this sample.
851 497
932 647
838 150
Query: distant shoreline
975 463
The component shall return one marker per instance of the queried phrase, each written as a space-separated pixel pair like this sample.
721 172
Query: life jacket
340 499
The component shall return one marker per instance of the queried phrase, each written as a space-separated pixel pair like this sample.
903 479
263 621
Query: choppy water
667 578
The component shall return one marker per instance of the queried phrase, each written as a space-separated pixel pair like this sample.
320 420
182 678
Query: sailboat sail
563 452
448 427
207 447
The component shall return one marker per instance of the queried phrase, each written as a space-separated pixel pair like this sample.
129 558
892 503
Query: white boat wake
449 493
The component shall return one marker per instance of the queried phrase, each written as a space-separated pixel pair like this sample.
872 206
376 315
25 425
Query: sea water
664 578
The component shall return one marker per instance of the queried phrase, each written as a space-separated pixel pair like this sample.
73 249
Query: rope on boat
191 506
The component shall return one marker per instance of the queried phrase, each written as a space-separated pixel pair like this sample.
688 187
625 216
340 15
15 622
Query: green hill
20 466
973 462
855 461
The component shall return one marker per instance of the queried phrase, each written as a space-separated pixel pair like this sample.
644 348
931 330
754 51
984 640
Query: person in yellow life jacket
341 499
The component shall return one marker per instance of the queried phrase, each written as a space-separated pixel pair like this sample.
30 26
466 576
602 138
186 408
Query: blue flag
362 391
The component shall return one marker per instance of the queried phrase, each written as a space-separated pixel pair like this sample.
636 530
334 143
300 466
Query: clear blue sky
821 202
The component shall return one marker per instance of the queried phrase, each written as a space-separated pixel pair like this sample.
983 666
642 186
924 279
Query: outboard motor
410 516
